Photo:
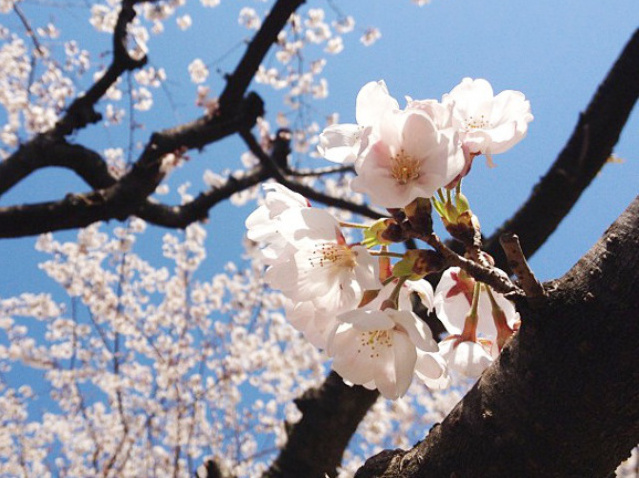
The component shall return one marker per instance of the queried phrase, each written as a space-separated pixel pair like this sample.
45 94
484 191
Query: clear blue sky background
555 52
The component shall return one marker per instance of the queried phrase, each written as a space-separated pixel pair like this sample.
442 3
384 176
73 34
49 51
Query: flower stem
387 254
352 225
469 334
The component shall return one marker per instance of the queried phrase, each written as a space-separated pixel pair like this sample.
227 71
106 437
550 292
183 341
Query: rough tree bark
562 400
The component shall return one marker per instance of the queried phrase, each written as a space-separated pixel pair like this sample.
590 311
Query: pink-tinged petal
299 314
279 198
367 320
477 141
423 289
372 102
441 114
348 360
315 323
502 138
455 155
419 136
282 276
471 96
511 106
390 129
257 218
366 269
340 143
385 372
303 227
370 385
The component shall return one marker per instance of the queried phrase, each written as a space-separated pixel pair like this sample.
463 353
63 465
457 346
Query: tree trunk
562 400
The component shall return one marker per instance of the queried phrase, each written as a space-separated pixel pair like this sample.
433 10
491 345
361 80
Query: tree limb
587 150
308 192
331 414
531 414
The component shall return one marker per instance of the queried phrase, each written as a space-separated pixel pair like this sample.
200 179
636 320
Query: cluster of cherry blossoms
348 298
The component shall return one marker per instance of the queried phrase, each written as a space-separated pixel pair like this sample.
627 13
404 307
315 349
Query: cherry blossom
412 158
263 224
344 143
315 323
488 124
467 357
378 349
323 269
479 320
453 299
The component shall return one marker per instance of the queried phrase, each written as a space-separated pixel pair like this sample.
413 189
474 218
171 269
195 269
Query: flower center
404 167
372 342
326 254
477 123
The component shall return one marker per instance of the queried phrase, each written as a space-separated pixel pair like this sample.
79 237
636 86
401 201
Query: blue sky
554 52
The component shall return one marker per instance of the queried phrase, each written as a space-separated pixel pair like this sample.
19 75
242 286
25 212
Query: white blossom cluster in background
150 368
157 368
33 98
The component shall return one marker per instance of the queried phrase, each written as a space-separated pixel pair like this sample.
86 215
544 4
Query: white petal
431 369
468 358
367 320
373 100
340 143
418 332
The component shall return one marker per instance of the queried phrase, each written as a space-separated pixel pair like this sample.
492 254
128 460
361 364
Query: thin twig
492 276
517 263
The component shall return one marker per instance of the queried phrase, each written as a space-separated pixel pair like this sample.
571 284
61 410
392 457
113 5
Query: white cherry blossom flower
467 358
379 347
453 298
488 124
345 143
323 269
198 70
412 158
263 224
315 323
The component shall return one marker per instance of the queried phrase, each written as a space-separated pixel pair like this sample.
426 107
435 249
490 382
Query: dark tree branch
120 199
81 113
316 444
586 152
563 397
114 200
238 82
308 192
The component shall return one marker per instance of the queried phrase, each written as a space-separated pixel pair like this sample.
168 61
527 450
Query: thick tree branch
563 397
586 152
114 200
315 445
